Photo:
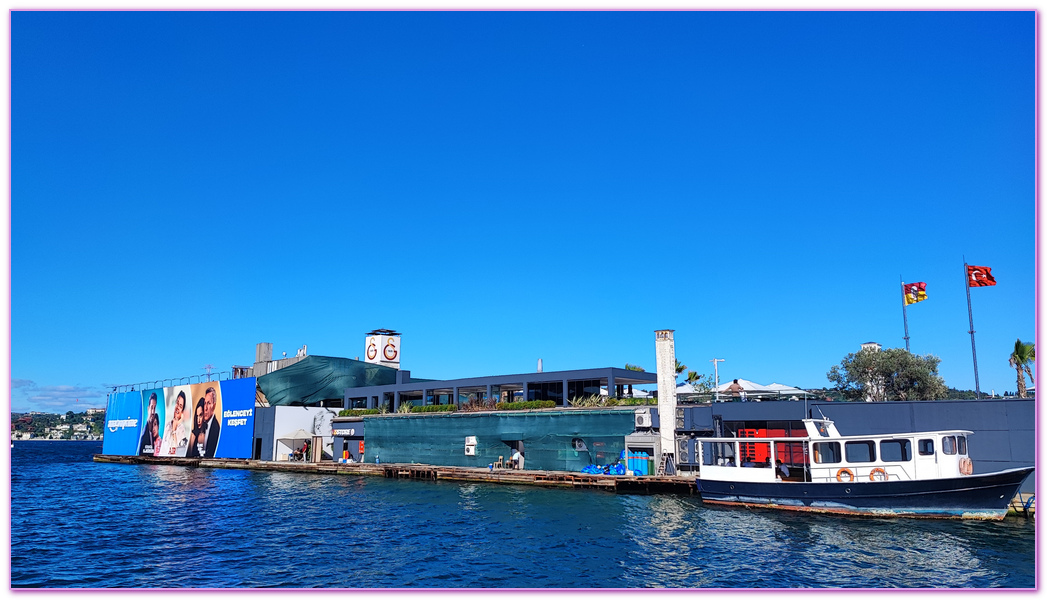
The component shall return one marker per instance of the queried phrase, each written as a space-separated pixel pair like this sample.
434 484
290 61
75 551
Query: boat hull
985 496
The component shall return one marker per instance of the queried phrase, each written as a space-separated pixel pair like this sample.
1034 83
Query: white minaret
665 353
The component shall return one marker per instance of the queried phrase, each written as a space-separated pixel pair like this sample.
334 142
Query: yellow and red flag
979 276
914 292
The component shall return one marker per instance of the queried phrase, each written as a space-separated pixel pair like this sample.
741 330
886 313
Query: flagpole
905 318
970 315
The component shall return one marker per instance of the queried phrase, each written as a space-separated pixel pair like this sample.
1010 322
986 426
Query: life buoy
966 466
848 472
874 472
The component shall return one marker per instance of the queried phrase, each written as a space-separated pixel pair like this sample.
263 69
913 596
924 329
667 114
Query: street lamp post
716 374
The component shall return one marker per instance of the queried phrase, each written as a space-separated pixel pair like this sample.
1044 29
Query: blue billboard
123 414
237 418
203 420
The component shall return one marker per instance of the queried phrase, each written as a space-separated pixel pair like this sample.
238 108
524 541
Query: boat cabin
825 455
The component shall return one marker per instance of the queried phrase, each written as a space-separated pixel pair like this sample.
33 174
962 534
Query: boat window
925 447
949 445
718 453
895 450
860 451
961 440
823 430
826 452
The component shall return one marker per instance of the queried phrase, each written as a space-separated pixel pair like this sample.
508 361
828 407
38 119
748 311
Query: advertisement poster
123 413
202 420
151 425
204 426
237 418
174 432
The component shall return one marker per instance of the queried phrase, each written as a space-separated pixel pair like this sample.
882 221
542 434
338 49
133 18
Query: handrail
171 381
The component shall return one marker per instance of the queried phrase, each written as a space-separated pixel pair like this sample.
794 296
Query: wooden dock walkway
562 479
1023 505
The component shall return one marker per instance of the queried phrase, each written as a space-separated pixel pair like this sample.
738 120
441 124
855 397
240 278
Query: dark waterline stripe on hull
855 512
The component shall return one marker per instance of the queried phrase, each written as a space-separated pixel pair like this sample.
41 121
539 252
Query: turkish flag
979 276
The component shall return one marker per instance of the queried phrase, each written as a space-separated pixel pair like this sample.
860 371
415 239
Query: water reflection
138 526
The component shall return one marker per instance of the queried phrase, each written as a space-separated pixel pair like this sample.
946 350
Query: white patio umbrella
288 439
748 386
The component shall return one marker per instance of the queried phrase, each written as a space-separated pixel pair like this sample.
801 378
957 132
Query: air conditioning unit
470 440
470 450
643 419
684 454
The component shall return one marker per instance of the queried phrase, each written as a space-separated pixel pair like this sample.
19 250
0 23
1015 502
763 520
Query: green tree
1023 356
629 367
680 368
891 374
702 384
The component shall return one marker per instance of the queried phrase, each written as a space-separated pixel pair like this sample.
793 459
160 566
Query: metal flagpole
970 315
905 318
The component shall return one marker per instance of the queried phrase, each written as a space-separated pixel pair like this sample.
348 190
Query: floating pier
560 479
1022 504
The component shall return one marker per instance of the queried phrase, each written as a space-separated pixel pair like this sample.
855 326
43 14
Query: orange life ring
872 474
966 466
850 475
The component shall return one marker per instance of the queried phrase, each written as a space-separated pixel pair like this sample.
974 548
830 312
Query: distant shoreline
47 440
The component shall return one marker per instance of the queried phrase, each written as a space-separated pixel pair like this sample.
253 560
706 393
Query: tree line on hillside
42 424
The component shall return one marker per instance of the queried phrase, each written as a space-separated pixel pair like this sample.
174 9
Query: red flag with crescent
979 276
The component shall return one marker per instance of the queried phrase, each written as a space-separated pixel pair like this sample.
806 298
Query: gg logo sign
383 348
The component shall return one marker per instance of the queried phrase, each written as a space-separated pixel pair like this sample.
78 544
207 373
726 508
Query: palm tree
680 368
1023 356
697 382
629 367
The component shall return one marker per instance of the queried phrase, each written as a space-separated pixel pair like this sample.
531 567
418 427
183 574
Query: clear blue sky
503 187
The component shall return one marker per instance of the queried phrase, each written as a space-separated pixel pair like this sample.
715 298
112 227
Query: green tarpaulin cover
316 378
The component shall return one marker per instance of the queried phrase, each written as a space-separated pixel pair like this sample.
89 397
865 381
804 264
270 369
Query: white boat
922 474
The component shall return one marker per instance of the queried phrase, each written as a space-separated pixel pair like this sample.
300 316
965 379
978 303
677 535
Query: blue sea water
80 524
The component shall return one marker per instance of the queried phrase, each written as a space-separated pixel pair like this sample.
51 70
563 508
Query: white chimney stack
665 353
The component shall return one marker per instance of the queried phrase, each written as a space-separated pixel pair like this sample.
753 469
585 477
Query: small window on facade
827 452
895 450
949 445
858 452
925 447
961 441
